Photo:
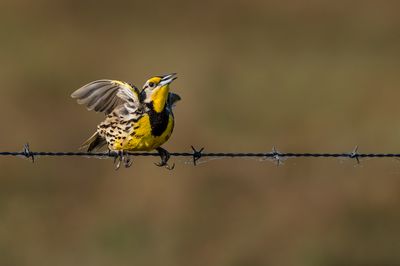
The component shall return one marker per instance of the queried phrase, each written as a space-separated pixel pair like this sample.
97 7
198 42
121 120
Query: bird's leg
164 155
118 159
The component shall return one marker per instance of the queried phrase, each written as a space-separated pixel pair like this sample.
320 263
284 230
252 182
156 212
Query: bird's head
156 90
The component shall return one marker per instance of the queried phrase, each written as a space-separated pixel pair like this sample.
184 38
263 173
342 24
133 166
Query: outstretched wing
173 98
105 95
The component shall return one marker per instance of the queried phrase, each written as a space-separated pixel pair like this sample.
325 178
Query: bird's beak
167 79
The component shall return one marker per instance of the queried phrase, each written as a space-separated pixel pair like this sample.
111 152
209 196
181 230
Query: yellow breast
141 139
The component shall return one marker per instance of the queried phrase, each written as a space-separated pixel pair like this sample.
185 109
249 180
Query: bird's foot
122 157
128 161
164 155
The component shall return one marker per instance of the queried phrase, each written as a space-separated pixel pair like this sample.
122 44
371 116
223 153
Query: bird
136 120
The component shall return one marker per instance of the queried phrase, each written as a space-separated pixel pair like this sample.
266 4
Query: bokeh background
305 76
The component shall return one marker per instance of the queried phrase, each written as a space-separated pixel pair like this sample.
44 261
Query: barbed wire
195 154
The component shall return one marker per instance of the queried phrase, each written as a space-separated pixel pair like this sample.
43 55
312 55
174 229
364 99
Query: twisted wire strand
205 154
197 154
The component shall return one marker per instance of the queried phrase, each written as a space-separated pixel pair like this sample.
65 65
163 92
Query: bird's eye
151 84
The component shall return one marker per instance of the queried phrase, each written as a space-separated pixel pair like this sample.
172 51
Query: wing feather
173 98
105 95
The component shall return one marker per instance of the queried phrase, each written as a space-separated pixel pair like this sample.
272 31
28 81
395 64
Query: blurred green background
306 76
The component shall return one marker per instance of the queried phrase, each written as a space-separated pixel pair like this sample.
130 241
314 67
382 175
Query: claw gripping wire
197 154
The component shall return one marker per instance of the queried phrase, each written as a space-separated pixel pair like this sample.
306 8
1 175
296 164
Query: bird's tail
95 142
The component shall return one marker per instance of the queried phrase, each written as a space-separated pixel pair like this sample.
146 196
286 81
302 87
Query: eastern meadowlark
136 120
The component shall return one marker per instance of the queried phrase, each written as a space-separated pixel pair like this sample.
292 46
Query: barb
354 154
196 155
275 155
27 152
